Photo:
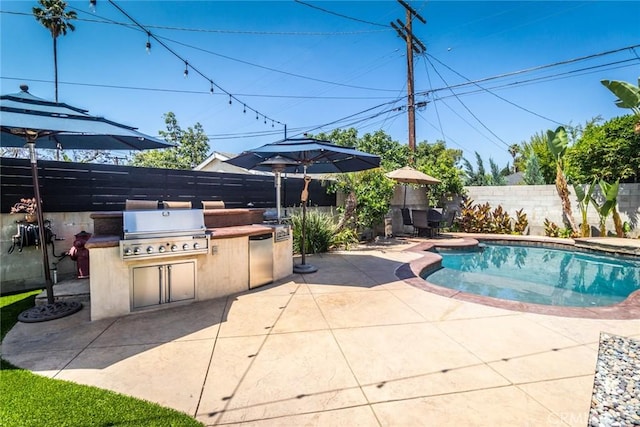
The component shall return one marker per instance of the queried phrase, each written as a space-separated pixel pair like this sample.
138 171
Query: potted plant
27 207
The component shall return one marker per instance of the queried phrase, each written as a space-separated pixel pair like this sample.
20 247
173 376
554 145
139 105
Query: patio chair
406 220
420 222
212 204
435 219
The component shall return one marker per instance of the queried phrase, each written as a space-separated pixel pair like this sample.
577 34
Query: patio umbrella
312 156
30 120
409 175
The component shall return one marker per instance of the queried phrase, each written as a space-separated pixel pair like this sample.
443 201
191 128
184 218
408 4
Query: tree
57 20
440 162
514 150
558 142
191 147
537 145
481 177
610 151
532 174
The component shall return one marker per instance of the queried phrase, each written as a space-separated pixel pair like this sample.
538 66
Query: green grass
27 399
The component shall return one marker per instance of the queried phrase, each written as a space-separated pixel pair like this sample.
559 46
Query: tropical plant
537 145
608 206
500 221
608 151
558 143
514 151
551 229
57 20
628 96
319 232
480 218
521 222
584 197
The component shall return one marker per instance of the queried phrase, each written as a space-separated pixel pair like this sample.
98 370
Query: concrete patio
349 345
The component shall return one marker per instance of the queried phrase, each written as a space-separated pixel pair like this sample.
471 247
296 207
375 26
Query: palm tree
53 17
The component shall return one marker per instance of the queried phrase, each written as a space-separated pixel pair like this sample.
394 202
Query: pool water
539 275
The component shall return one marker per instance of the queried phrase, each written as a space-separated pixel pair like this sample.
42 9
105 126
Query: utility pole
405 31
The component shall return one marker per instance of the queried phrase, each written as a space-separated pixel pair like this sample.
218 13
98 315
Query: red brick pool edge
411 274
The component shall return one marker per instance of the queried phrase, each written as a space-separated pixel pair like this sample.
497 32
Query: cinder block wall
542 201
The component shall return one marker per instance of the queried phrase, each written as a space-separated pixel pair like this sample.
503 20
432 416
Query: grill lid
161 223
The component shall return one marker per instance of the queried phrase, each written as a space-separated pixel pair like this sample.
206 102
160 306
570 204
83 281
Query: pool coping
412 271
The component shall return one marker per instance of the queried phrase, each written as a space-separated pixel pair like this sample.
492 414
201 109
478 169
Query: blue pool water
539 275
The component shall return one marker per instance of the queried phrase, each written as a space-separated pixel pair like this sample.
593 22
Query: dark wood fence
87 187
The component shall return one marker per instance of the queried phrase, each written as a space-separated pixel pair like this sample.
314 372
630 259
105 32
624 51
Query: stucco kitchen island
223 270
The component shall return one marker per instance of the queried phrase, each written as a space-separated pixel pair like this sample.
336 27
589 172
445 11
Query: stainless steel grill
163 233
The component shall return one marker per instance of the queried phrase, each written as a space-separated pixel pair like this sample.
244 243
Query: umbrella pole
51 310
303 267
40 218
278 209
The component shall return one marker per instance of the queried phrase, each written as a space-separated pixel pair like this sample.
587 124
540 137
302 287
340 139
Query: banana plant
610 195
558 142
584 197
628 96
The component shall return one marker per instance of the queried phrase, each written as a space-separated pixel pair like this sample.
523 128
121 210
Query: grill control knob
136 251
128 252
149 249
161 249
174 248
196 245
185 247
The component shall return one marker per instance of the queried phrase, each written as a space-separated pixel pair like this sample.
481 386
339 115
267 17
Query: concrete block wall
542 201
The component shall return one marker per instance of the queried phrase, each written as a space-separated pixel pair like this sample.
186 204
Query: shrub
475 218
319 232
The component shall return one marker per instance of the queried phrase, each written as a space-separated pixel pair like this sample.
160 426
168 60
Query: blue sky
315 71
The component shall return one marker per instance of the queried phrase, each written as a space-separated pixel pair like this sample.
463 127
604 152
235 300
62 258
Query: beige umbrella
408 175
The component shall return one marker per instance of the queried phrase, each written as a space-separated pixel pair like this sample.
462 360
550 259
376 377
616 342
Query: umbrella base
304 268
43 313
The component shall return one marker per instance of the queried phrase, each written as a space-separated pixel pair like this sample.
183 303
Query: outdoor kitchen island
121 284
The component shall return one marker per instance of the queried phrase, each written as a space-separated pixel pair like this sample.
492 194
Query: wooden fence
87 187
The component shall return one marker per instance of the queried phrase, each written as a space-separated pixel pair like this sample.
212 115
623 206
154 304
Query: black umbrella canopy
27 119
306 155
55 125
317 155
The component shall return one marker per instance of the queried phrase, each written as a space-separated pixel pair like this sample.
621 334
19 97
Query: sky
494 73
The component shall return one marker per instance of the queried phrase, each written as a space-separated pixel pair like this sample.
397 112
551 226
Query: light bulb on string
272 123
186 69
230 102
211 90
92 6
148 46
244 108
257 115
265 119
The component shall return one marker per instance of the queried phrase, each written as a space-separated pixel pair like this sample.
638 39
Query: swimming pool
539 275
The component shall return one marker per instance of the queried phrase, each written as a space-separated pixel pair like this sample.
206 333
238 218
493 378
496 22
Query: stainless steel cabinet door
147 284
181 281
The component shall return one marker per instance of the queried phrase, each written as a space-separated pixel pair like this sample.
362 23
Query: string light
272 123
244 108
150 35
265 119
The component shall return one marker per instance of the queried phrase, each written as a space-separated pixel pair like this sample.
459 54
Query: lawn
27 399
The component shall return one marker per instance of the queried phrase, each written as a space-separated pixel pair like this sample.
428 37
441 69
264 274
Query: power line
338 14
495 94
214 31
467 108
275 70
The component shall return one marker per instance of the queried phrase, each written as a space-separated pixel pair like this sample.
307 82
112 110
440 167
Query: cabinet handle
169 283
160 284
